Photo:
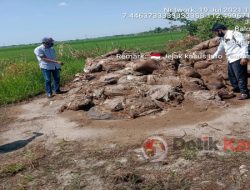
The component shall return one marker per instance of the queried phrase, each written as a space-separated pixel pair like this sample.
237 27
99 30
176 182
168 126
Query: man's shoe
58 92
49 95
244 96
61 92
236 90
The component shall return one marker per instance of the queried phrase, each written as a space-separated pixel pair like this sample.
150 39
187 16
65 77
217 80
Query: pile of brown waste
123 84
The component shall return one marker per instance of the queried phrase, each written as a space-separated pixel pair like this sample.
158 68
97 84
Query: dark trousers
47 77
237 74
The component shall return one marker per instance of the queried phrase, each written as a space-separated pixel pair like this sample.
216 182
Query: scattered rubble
116 87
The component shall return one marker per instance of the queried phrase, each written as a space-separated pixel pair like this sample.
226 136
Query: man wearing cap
234 44
46 57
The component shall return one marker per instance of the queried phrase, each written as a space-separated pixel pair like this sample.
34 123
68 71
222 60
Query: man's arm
44 58
40 56
219 51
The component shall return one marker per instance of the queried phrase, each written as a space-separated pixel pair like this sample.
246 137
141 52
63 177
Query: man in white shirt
46 57
234 44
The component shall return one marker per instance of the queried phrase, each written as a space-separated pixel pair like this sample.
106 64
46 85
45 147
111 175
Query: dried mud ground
70 151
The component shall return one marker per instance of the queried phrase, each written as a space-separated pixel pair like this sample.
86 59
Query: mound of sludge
122 84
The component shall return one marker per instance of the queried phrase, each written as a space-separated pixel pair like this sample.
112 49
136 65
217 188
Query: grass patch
75 183
28 178
12 169
19 162
189 154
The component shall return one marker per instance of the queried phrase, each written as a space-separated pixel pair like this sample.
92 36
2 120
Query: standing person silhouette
46 56
234 44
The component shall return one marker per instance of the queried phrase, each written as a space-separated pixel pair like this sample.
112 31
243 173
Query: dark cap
218 27
47 40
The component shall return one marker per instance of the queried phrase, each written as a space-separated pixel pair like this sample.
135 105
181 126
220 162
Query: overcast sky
28 21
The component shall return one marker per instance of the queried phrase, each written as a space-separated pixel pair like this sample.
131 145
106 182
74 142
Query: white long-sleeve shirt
234 44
